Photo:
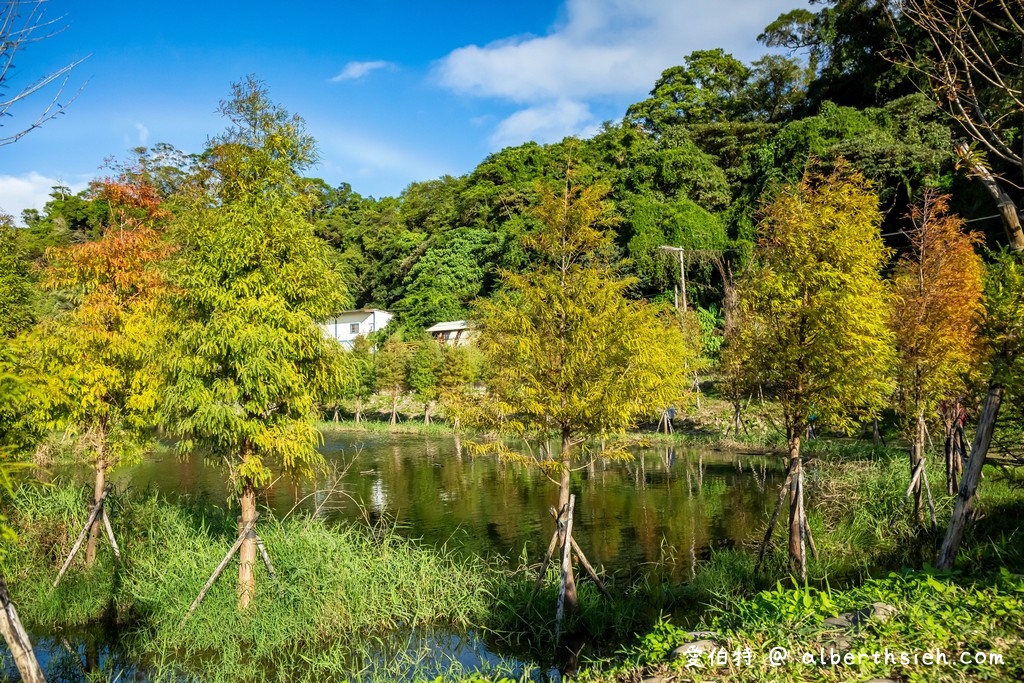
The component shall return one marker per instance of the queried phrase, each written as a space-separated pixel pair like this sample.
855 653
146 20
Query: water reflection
655 516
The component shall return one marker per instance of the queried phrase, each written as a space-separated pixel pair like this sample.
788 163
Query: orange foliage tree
937 288
100 347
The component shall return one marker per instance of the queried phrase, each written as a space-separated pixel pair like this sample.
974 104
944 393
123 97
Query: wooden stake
566 560
810 538
914 479
17 639
590 570
971 477
775 515
110 534
803 523
81 537
928 490
547 558
266 557
219 569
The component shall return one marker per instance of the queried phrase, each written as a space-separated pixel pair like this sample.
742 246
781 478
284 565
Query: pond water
665 509
655 517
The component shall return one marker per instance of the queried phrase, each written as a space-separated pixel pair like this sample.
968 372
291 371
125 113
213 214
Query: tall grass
436 428
341 595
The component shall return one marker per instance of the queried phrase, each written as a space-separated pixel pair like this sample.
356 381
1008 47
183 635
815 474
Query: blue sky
394 91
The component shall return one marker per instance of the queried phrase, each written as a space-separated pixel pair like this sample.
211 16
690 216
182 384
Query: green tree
392 371
362 369
815 316
250 362
17 290
564 350
702 90
425 364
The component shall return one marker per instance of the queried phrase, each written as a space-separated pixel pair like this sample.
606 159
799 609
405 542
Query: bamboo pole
17 639
110 534
266 557
219 569
566 560
81 537
775 515
590 570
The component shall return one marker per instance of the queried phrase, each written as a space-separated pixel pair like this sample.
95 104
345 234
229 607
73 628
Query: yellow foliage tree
565 351
815 317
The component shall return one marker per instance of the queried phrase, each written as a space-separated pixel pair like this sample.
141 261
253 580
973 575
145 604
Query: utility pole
682 270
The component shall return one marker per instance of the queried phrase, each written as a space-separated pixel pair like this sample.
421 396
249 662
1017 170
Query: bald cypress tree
251 279
566 352
815 316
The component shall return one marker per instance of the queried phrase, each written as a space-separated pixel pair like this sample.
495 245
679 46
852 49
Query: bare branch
21 24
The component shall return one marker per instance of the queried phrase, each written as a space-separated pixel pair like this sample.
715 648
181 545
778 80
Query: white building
452 333
348 325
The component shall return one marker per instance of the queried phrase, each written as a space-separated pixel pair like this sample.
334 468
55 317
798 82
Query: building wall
348 325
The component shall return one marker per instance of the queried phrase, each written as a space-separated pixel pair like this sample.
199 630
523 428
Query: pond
664 509
654 517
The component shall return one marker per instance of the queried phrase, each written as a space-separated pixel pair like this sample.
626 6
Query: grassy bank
356 602
366 426
872 550
346 600
975 623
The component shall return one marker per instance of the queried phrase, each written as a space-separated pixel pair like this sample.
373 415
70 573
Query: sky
393 91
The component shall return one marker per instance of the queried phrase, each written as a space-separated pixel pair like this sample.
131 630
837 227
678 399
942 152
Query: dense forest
692 166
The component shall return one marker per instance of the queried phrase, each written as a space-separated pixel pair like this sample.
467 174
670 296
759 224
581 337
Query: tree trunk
1007 209
17 639
917 460
736 421
426 413
359 410
571 601
97 524
796 504
247 551
394 408
971 477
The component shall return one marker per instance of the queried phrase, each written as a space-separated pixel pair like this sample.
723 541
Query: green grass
947 613
435 428
357 602
871 549
342 601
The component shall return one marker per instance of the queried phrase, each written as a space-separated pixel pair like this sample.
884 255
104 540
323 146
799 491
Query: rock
700 635
878 611
841 644
654 679
842 621
882 612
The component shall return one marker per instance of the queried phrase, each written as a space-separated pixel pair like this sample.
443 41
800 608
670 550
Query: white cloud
30 191
356 70
545 123
604 49
143 133
370 157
